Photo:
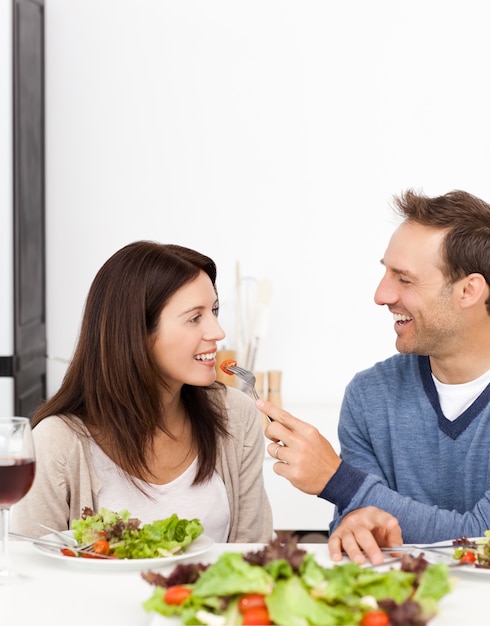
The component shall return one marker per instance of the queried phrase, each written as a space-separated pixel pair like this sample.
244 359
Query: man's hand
362 532
308 459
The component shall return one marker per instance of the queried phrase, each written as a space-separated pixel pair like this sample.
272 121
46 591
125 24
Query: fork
247 377
436 553
430 547
450 564
72 543
85 549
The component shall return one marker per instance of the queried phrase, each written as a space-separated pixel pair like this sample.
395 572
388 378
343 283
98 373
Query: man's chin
403 347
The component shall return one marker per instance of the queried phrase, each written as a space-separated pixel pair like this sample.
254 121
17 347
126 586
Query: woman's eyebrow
198 307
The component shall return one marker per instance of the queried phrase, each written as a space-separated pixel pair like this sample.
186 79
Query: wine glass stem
5 564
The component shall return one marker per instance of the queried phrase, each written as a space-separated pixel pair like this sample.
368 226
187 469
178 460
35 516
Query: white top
207 501
455 399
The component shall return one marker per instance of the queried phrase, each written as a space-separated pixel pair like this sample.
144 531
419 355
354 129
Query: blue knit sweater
400 454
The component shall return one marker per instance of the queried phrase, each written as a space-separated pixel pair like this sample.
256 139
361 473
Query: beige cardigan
66 481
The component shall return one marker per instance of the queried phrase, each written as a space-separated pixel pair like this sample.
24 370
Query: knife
39 541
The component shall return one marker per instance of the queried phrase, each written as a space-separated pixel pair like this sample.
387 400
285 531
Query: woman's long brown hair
112 383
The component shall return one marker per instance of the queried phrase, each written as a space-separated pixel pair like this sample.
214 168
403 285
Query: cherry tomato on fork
227 363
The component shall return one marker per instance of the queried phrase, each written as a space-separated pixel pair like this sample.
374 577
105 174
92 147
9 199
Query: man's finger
279 415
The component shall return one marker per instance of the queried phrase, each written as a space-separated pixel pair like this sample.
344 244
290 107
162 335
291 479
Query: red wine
16 478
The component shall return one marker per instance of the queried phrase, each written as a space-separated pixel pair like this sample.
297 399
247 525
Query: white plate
200 545
469 569
156 619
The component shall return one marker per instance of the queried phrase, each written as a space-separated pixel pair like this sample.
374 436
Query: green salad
121 536
283 584
474 552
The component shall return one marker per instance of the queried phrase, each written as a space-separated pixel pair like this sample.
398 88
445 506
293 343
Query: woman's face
185 341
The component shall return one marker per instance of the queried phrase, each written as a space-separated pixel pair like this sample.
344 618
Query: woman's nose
215 331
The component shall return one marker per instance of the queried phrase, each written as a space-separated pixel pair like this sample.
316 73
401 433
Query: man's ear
473 288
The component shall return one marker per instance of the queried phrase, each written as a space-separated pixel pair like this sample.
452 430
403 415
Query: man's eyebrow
395 270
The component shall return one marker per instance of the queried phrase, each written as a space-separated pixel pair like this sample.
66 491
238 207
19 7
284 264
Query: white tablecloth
62 593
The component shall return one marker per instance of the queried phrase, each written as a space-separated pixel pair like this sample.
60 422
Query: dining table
65 591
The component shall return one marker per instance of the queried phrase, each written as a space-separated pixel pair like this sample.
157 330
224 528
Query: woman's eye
216 311
196 318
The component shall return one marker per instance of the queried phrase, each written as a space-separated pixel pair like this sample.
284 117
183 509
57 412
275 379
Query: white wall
272 133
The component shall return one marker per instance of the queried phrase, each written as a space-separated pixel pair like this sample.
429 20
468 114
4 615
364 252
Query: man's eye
404 281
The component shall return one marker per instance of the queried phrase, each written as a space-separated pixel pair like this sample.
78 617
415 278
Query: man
414 430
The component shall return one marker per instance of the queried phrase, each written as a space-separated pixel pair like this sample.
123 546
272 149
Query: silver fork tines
66 539
247 377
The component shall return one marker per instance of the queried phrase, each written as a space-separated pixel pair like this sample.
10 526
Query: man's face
414 289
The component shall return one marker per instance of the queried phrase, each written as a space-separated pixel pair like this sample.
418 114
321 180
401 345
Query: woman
139 422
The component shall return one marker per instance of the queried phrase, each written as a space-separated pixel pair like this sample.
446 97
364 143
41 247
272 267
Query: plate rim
469 569
126 564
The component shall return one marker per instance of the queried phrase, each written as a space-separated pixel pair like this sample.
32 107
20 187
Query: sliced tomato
176 594
468 557
90 555
67 552
251 601
101 546
227 363
375 618
256 616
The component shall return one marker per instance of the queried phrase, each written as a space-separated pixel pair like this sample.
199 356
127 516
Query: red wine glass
17 470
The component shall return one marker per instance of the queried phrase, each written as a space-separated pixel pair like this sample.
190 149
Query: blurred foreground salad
284 585
122 536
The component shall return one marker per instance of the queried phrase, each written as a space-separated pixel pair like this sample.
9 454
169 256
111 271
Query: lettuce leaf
230 575
129 540
291 603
